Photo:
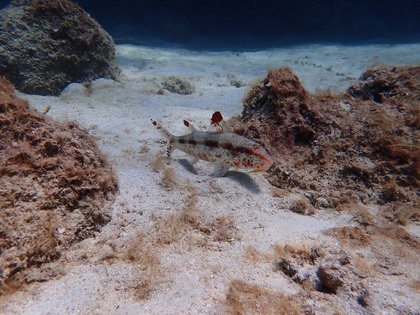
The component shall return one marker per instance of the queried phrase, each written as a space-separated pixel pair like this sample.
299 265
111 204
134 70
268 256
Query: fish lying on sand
226 149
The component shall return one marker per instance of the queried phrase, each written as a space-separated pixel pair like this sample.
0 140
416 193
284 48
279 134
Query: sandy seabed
181 241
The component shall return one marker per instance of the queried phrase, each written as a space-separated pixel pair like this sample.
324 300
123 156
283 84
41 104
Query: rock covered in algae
55 188
46 45
340 148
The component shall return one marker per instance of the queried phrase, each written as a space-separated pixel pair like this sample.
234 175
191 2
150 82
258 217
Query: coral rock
330 279
54 188
382 83
46 45
369 152
179 86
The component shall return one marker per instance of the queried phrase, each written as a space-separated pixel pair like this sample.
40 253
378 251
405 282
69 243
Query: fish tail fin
167 134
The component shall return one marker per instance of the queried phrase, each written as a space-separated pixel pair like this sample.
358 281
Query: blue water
239 24
257 24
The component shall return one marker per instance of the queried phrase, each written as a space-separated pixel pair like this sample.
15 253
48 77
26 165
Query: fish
226 149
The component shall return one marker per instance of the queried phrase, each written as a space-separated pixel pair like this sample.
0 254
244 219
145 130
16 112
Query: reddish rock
381 83
330 279
330 145
54 188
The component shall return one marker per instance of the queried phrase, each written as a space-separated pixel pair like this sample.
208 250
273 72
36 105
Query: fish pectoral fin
220 169
194 160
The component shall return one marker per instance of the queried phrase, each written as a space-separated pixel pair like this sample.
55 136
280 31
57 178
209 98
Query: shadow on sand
245 180
242 179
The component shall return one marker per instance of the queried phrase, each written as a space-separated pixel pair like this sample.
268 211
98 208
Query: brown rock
381 83
367 152
54 189
330 279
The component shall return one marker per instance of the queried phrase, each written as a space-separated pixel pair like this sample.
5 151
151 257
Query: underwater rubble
178 85
340 149
54 190
47 45
356 153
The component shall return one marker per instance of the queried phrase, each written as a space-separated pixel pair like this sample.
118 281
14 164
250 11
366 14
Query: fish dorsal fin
188 124
218 122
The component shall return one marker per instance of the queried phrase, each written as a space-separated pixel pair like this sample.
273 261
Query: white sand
194 268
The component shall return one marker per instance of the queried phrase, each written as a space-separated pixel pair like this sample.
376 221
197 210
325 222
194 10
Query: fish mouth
267 162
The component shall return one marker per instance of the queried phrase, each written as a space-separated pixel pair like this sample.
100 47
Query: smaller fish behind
228 150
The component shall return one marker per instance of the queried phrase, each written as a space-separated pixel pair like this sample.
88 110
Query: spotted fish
228 150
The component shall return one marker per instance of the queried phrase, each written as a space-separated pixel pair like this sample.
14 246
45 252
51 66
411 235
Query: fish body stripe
224 148
211 144
228 148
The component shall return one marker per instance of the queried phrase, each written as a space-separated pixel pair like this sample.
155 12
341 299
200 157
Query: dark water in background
256 24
